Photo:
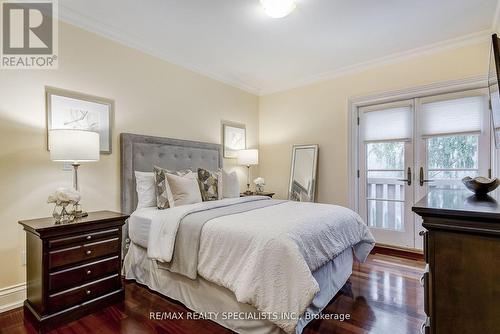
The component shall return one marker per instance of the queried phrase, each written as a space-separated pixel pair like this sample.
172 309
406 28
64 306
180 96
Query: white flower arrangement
64 196
259 184
259 181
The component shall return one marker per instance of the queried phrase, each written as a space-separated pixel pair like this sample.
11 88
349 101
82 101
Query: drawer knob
89 272
89 237
88 292
88 252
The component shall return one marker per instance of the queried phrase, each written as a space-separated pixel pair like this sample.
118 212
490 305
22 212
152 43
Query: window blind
455 116
386 124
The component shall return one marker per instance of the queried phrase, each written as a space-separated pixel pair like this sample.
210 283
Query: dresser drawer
69 298
84 252
83 237
69 278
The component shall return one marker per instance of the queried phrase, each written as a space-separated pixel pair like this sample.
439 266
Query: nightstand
264 193
73 269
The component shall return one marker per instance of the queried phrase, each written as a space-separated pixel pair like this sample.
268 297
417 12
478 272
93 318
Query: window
450 159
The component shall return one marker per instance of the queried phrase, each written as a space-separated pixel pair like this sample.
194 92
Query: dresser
462 254
72 269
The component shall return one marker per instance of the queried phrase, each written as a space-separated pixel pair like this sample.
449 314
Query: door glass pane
386 155
451 158
385 192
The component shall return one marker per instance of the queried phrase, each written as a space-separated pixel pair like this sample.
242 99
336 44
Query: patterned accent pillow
209 184
164 196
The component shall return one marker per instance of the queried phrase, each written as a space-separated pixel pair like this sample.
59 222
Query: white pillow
185 189
145 187
230 185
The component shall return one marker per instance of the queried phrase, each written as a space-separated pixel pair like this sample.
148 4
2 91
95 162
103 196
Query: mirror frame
315 168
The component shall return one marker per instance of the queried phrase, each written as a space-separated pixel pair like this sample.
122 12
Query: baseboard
409 253
403 249
12 297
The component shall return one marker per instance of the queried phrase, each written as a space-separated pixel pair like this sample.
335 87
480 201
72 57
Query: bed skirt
203 296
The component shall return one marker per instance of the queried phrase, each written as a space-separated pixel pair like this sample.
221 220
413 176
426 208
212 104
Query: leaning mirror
303 175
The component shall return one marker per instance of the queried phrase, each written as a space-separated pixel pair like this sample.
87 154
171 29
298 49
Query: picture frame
72 110
233 139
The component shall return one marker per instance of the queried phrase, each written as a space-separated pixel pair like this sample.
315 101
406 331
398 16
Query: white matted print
70 110
234 139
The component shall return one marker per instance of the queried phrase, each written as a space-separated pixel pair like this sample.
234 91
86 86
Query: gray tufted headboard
141 153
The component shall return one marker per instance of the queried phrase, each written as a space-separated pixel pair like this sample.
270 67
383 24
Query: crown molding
449 44
85 22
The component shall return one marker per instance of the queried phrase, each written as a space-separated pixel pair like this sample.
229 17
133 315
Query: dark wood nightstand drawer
83 293
84 237
80 253
69 278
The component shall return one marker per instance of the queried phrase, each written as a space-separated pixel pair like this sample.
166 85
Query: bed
253 272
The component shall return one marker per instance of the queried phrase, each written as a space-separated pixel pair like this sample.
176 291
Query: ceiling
235 42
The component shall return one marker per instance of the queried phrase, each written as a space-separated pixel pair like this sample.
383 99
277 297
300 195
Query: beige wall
318 114
152 97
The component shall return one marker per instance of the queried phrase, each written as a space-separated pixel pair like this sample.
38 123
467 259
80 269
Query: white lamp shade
74 145
248 157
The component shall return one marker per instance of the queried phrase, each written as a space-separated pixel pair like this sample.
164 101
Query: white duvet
267 256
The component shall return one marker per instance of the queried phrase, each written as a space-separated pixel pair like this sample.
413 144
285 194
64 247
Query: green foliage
388 155
443 152
452 152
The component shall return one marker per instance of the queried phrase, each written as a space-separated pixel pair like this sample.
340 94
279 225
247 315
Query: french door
407 148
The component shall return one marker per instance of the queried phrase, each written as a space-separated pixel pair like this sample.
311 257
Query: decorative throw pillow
184 189
164 198
209 184
230 185
145 187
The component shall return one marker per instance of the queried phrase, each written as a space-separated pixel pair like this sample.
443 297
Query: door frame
437 88
402 237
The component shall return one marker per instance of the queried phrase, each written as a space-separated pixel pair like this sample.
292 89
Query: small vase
60 213
259 188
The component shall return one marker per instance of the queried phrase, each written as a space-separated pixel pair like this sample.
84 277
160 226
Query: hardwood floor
382 296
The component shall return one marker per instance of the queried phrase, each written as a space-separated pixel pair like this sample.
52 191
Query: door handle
421 178
408 175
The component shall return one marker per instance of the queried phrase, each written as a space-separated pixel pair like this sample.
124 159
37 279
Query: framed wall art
234 138
72 110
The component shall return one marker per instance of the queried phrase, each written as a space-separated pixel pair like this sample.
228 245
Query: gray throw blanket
187 240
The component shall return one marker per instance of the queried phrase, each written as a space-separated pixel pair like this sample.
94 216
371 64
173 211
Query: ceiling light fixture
278 8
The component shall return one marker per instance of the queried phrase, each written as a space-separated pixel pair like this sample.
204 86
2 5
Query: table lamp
248 158
74 146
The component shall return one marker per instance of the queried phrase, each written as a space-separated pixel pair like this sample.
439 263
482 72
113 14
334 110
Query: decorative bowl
481 185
